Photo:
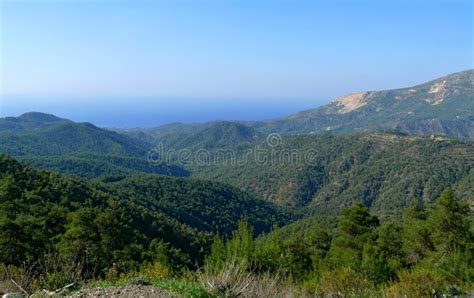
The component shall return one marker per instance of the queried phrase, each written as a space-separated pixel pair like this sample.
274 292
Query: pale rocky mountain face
349 103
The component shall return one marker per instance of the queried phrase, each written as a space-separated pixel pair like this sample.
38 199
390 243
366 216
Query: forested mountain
122 222
327 173
384 171
444 106
156 133
215 135
79 149
29 121
43 212
46 135
210 135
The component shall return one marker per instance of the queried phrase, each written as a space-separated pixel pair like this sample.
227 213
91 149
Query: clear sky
223 52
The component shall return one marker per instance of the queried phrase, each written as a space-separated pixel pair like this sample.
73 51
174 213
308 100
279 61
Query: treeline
430 251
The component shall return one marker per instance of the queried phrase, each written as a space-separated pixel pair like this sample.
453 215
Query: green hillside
67 138
384 171
43 212
204 205
79 149
29 121
210 135
122 222
101 166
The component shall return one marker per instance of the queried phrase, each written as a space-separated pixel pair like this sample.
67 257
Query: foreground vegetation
429 251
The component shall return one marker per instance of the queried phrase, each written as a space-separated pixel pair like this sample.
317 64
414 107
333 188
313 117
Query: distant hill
219 134
210 135
444 106
79 149
44 134
29 121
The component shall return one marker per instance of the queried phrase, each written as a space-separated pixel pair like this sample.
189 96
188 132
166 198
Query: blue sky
223 52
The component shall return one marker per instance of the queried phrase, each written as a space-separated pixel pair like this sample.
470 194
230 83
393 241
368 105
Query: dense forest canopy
122 222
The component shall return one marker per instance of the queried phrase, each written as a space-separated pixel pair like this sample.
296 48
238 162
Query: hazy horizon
194 61
144 112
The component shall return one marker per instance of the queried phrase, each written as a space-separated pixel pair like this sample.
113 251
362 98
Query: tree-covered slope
29 121
205 205
119 222
210 135
220 134
65 137
384 171
101 166
444 106
79 149
43 213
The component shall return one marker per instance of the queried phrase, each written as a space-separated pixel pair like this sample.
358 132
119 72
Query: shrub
419 282
156 270
343 282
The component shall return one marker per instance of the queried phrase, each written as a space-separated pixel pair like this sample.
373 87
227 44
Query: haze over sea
130 112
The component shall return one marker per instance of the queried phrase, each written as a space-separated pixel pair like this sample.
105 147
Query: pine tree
355 230
449 225
415 234
241 245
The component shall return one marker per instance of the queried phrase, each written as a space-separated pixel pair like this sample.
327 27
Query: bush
156 270
343 282
419 282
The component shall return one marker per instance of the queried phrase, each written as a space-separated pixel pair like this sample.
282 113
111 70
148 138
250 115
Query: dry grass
233 279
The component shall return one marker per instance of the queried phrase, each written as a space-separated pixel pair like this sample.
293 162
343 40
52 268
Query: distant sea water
150 112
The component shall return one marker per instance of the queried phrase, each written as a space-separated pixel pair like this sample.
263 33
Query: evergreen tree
382 258
449 225
355 230
241 245
218 254
415 234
